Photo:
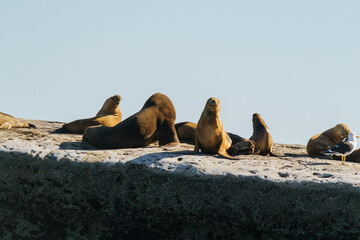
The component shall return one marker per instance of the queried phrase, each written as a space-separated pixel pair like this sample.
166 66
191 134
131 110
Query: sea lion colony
156 122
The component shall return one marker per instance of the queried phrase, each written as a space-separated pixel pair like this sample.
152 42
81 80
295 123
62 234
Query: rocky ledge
54 187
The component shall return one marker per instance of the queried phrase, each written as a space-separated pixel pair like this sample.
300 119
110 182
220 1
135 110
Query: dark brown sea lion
154 122
109 115
354 156
240 145
261 136
321 142
7 121
210 135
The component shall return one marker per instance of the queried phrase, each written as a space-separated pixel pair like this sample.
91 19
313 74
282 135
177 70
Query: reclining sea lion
7 121
109 115
154 122
321 142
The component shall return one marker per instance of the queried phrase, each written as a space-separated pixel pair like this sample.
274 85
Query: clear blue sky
297 63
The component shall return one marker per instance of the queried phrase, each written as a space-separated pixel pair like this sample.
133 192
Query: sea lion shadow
183 164
295 155
316 164
179 155
155 157
76 146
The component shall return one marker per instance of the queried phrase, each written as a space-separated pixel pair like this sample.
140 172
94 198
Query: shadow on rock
295 155
76 146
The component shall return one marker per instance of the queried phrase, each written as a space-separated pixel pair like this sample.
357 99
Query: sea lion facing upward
109 115
210 135
186 133
7 121
321 142
154 122
261 136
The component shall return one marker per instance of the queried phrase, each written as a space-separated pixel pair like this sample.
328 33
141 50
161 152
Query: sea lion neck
212 113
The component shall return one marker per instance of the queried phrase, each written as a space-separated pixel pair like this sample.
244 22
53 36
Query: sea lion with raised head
210 135
321 142
261 136
7 122
109 115
154 122
186 133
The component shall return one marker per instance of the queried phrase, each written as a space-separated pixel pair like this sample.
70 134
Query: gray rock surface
54 187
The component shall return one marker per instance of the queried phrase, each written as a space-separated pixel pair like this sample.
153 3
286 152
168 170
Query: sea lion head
213 105
113 101
258 122
256 117
342 130
111 104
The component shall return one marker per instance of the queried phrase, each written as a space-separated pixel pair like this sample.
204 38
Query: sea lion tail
32 125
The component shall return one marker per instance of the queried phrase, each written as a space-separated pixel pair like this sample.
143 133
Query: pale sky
296 63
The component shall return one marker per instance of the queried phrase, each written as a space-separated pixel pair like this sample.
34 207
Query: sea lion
7 121
186 133
354 156
261 136
210 135
321 142
154 122
240 145
109 115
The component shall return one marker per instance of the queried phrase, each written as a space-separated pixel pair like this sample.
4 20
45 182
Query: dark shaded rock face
50 199
52 187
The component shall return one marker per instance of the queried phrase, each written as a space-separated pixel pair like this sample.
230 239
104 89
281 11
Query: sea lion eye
213 101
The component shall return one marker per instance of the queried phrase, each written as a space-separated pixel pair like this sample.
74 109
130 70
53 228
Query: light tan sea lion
323 141
154 122
7 121
210 135
109 115
261 136
186 133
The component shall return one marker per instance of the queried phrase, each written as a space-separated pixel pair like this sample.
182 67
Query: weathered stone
53 187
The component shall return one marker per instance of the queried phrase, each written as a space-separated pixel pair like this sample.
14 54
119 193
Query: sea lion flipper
224 154
197 144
